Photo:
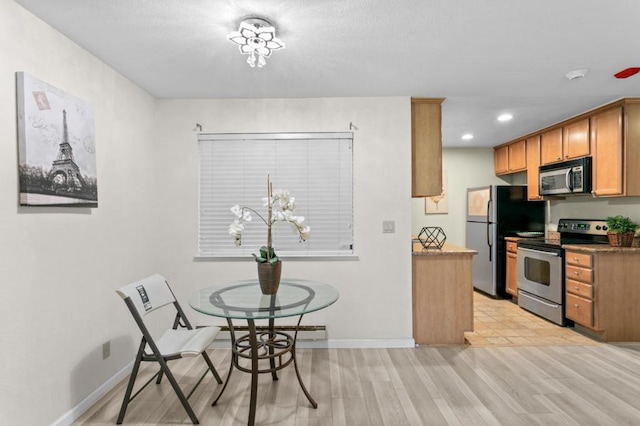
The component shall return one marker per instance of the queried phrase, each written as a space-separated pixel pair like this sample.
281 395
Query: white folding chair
181 340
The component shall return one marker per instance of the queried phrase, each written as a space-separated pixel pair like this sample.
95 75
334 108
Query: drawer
579 259
579 309
579 289
512 246
579 274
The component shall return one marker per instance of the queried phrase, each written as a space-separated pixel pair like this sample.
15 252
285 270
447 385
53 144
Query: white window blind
316 168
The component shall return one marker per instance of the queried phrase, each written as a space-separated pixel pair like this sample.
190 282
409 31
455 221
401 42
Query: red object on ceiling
627 73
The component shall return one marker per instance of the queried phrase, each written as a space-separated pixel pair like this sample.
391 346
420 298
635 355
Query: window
316 168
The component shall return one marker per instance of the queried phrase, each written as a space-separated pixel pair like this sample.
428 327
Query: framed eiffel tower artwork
56 146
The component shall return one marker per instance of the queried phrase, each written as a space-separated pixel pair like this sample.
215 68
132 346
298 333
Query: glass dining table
268 349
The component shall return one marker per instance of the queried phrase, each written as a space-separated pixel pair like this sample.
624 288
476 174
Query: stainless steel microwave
568 177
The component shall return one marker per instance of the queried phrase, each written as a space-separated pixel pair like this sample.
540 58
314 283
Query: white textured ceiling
484 56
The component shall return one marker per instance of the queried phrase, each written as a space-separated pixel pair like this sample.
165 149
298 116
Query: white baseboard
69 417
72 415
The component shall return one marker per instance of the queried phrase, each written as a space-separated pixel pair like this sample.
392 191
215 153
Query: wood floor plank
447 385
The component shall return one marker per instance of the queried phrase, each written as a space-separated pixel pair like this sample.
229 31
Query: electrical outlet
388 227
106 349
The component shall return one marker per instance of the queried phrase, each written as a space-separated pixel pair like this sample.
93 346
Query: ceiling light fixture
572 75
256 38
505 117
467 136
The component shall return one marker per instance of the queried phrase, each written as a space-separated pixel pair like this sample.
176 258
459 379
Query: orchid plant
280 207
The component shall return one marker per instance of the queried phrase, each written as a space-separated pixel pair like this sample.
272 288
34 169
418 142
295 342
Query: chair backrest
148 294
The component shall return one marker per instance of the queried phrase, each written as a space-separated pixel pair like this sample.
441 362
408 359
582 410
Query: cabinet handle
576 288
576 305
575 259
576 273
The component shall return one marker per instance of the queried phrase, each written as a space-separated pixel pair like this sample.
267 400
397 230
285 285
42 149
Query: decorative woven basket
621 240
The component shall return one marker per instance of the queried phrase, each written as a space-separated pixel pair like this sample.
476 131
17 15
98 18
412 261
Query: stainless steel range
541 266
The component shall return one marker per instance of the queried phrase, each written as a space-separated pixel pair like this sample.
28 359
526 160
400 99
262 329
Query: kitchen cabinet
608 152
442 294
551 146
615 141
602 295
609 134
501 160
510 158
512 268
579 288
533 172
565 143
426 147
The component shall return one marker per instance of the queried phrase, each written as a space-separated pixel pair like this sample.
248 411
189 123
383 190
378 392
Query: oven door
540 274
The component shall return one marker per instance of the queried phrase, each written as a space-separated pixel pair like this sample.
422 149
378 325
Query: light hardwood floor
516 370
456 385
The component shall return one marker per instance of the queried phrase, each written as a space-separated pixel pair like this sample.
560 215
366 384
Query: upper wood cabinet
426 147
501 159
606 137
575 142
510 158
551 146
565 143
609 134
533 172
615 146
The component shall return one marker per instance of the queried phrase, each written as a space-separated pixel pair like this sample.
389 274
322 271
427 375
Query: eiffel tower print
56 166
65 174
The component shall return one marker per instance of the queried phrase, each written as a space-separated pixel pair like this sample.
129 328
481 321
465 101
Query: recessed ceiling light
467 136
505 117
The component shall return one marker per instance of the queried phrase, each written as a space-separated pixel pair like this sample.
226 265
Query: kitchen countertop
446 250
600 248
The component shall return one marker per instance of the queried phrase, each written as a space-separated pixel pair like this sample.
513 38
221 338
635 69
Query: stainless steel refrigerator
495 212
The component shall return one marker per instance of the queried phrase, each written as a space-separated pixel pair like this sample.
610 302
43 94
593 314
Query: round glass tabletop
244 300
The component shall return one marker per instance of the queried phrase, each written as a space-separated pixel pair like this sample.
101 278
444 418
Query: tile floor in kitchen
499 322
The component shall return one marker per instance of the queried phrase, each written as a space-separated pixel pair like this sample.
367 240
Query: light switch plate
388 227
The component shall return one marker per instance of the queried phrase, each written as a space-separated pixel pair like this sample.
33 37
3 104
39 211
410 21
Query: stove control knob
604 228
598 227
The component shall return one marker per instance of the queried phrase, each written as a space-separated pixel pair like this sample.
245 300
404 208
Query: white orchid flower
235 231
241 213
305 233
280 205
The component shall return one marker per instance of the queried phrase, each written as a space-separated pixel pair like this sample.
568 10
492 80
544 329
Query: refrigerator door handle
489 242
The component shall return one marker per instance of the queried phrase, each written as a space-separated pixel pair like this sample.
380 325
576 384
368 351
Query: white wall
465 168
375 289
60 266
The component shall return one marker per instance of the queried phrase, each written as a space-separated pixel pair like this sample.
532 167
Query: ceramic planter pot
269 277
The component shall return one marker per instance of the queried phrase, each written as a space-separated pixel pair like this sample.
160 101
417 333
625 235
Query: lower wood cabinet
512 268
602 292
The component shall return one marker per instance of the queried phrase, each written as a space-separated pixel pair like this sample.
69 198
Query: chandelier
256 38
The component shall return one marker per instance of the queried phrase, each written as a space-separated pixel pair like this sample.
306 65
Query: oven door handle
538 252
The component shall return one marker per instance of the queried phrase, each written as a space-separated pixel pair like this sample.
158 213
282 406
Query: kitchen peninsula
442 294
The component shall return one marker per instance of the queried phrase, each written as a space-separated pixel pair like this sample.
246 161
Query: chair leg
211 367
159 379
178 390
132 380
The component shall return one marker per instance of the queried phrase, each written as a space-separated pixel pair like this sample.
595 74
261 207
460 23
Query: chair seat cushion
185 342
